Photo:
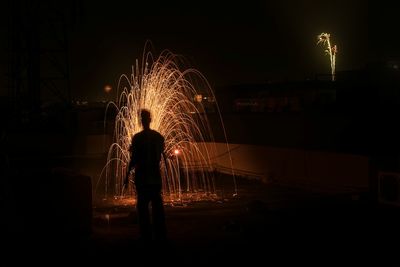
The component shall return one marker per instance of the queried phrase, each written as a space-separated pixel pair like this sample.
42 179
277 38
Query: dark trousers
154 224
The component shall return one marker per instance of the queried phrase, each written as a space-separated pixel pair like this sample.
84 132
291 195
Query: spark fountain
331 51
188 170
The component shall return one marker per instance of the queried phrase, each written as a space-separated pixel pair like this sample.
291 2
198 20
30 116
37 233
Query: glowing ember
331 51
160 86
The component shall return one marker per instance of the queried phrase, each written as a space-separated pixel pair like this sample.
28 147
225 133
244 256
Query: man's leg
160 229
142 207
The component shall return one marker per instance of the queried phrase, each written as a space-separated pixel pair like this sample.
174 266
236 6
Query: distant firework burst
161 87
330 50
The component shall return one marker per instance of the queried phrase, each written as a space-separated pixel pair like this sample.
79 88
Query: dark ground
265 225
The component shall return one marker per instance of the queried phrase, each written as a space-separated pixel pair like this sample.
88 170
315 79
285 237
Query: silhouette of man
146 149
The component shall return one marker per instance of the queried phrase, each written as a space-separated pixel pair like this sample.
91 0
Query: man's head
146 118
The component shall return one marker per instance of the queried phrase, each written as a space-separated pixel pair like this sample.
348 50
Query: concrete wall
323 170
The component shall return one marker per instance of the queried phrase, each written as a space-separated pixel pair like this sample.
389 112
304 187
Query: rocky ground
265 224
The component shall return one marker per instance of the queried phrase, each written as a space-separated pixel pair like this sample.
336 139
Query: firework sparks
161 87
330 50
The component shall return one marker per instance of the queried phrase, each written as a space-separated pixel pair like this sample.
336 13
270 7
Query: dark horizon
230 43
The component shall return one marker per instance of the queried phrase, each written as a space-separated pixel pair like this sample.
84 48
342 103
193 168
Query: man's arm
131 164
128 172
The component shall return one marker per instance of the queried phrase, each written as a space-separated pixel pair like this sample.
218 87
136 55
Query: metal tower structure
38 65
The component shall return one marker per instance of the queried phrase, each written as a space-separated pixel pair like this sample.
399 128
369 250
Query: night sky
229 42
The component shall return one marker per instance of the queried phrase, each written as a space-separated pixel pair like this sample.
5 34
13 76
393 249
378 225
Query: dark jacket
146 149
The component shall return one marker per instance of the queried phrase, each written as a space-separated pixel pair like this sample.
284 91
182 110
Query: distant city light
198 98
107 88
